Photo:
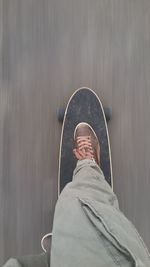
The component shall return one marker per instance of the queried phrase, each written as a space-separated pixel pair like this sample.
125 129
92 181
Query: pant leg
39 260
12 263
89 229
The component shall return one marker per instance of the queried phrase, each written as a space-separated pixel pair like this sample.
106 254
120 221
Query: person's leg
39 260
88 228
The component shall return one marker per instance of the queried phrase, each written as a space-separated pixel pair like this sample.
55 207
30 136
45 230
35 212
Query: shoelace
84 148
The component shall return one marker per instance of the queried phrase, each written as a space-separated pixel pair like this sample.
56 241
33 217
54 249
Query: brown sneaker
86 143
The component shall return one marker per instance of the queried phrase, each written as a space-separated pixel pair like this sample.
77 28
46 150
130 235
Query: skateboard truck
107 111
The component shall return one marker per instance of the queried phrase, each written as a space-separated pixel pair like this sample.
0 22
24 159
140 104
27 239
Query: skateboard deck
83 106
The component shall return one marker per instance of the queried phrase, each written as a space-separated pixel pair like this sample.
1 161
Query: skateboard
83 106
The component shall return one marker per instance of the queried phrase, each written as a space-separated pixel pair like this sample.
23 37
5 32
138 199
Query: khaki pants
89 230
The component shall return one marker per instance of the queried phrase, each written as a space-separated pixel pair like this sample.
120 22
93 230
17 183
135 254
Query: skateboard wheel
108 113
61 113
